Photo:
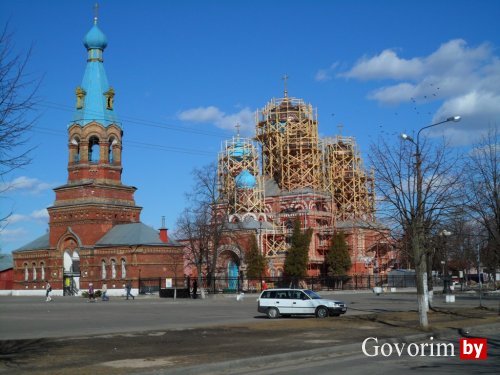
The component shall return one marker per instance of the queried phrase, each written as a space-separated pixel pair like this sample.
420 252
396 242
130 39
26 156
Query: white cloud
326 74
27 184
463 80
9 235
386 65
15 218
37 215
42 215
214 115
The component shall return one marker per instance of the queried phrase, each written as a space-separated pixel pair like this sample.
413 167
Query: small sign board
168 283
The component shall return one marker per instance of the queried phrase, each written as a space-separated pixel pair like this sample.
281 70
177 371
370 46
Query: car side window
303 296
266 294
282 294
296 294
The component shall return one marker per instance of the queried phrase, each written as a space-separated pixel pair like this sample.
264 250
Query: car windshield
312 294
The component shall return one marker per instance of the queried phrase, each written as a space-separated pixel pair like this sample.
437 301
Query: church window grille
26 272
34 271
42 270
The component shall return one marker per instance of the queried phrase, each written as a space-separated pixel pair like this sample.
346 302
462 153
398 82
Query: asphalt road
221 335
32 317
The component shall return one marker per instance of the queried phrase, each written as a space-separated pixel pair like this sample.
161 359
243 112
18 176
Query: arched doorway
232 275
71 281
229 268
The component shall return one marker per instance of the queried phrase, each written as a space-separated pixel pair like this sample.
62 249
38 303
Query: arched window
42 270
103 269
76 141
112 142
113 269
34 271
93 149
124 269
26 272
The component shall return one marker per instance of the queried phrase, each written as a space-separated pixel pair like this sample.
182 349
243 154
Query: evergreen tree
298 254
337 258
256 262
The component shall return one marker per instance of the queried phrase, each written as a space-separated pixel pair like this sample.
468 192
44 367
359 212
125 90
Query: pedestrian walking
195 288
91 293
48 290
129 289
104 291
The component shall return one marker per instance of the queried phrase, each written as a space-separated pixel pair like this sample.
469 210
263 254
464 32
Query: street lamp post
417 235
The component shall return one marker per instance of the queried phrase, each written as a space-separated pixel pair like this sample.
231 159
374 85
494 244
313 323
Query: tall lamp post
417 235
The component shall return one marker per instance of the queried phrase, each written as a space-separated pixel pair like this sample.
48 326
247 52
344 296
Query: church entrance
232 275
71 273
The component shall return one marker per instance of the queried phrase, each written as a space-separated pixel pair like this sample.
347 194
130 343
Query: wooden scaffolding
238 155
288 132
344 177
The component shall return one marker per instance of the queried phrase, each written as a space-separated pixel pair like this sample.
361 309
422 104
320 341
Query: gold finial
238 126
285 78
96 13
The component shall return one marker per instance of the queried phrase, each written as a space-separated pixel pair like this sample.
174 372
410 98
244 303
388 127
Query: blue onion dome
239 150
245 180
95 38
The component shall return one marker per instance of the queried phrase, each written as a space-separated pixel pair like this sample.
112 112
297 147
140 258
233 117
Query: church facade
95 234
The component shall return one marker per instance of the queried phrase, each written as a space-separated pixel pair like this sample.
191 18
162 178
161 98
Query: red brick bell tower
94 198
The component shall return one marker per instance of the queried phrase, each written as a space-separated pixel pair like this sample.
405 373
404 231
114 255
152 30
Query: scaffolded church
285 172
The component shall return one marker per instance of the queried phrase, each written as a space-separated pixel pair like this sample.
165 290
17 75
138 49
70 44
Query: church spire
95 97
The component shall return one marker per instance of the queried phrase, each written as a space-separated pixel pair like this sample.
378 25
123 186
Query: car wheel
273 313
321 312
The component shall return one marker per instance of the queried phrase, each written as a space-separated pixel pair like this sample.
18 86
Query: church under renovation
285 172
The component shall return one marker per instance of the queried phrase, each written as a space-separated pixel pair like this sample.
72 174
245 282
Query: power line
138 121
135 144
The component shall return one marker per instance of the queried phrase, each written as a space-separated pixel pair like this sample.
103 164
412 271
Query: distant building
95 233
6 274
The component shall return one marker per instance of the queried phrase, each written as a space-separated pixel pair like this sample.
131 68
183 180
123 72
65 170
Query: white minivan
276 302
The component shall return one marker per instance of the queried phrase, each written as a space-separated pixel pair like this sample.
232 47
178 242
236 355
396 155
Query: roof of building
249 223
94 104
6 262
133 234
358 223
271 189
40 243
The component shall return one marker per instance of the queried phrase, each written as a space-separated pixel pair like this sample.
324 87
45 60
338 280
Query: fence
217 285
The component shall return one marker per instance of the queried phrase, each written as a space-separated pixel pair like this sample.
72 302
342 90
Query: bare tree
17 102
416 188
202 226
483 175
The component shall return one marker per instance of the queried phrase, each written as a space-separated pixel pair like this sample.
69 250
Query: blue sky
185 72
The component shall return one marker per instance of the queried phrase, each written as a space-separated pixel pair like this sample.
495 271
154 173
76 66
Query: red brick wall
6 279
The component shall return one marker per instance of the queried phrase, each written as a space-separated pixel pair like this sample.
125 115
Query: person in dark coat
195 288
